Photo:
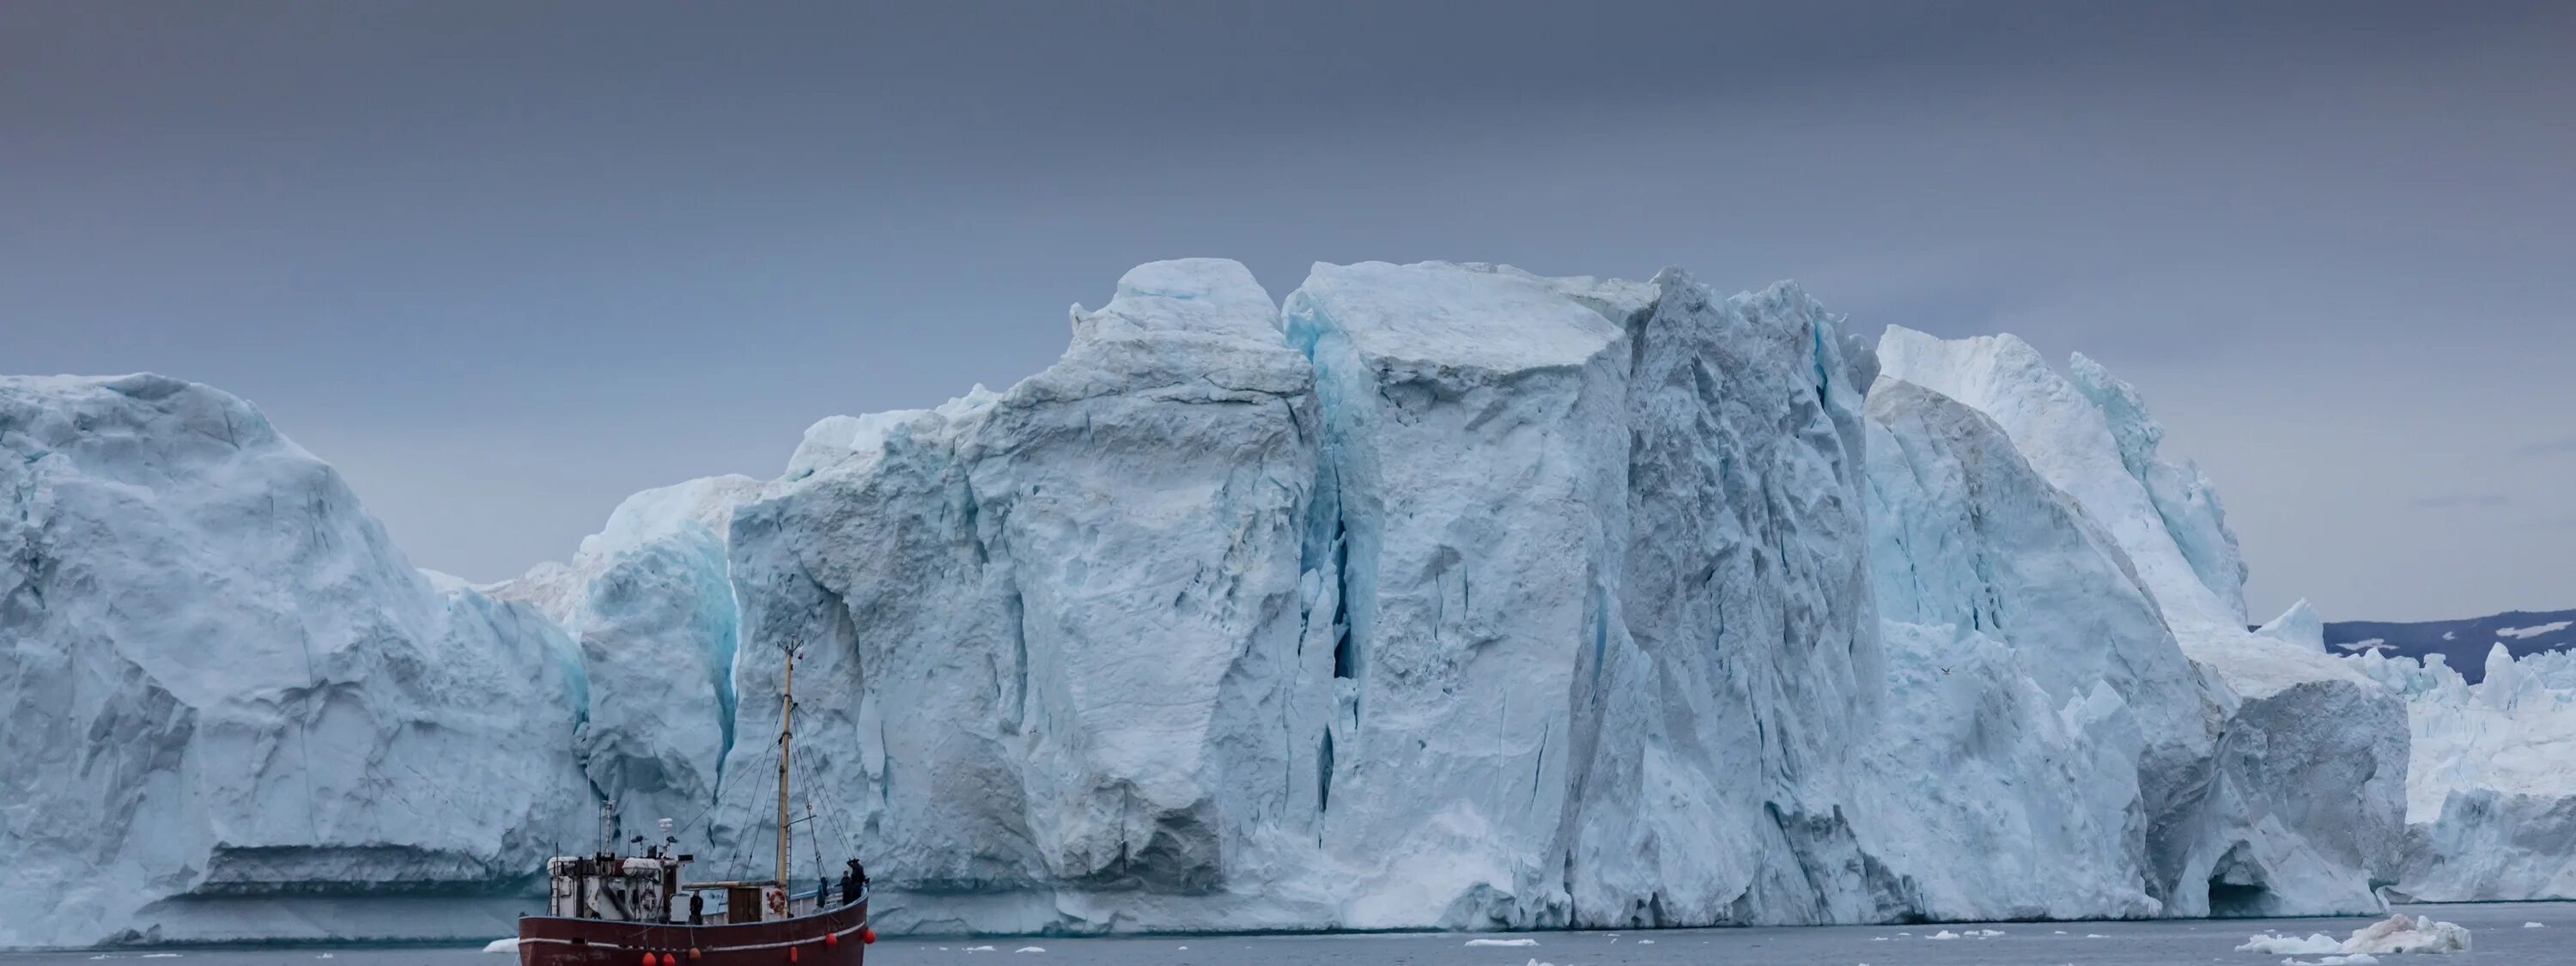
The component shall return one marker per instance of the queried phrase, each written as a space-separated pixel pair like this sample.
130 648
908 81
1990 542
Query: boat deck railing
804 903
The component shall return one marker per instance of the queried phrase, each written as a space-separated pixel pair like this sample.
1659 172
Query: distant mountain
2466 642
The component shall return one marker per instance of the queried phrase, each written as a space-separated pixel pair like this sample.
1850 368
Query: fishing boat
613 908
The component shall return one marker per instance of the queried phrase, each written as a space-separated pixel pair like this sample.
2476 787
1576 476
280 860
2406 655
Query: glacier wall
1439 595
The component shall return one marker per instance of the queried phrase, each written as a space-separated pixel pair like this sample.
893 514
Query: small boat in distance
627 910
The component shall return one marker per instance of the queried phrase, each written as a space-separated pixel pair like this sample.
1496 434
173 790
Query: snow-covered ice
2535 631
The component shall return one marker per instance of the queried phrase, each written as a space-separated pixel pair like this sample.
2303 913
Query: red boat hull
828 938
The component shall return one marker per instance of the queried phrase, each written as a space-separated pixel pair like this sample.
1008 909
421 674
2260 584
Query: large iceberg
1440 595
230 701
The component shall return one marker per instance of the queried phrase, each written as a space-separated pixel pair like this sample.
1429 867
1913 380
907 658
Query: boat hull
828 938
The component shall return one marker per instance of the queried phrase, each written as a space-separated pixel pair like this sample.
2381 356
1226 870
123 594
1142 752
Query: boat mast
786 710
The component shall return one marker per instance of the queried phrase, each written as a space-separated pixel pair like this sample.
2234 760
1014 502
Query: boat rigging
609 908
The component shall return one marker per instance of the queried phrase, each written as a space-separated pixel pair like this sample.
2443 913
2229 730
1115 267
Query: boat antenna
786 711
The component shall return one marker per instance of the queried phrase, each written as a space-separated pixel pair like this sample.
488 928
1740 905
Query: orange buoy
670 960
791 954
649 960
831 939
867 936
693 953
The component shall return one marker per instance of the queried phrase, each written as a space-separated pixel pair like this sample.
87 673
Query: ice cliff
1435 595
221 682
2302 809
2491 803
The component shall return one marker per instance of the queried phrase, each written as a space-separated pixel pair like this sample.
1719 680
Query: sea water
2497 932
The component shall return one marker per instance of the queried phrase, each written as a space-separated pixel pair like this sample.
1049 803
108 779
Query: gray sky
505 263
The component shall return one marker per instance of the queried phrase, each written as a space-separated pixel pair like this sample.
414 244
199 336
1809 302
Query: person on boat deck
852 880
697 908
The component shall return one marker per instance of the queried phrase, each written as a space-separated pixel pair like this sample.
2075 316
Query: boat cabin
608 886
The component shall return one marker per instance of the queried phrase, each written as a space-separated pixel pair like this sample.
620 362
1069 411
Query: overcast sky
504 263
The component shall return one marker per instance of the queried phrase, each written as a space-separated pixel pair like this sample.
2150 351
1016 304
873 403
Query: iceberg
2491 806
225 685
1441 595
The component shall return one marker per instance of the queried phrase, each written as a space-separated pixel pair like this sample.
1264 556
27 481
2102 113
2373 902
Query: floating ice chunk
2535 925
1030 949
1943 934
1502 942
2270 944
2401 933
2396 934
502 946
